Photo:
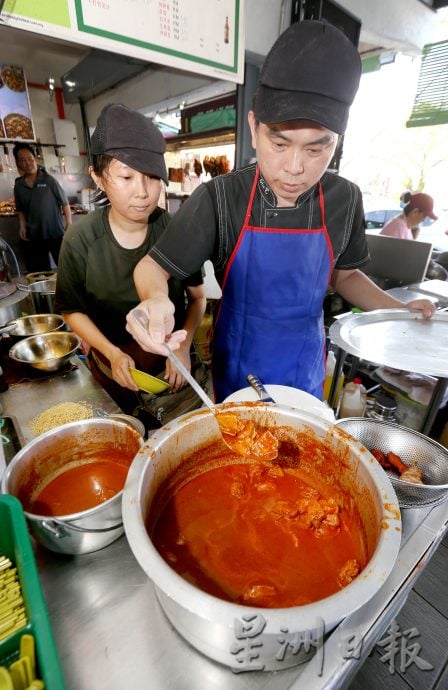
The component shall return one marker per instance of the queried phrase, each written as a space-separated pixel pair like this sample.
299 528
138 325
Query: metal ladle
140 319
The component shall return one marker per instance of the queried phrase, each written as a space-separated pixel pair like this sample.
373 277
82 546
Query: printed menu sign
15 111
201 36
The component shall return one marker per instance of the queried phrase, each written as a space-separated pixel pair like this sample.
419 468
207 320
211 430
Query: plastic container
16 545
329 372
354 399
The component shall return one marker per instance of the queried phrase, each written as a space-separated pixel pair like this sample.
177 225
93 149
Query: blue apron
270 319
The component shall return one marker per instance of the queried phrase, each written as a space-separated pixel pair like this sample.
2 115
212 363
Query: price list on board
207 32
201 36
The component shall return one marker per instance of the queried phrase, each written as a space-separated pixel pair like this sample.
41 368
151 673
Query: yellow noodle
63 413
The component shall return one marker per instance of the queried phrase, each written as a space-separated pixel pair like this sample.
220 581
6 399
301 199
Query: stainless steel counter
24 401
111 633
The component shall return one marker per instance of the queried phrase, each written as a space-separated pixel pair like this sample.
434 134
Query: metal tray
396 338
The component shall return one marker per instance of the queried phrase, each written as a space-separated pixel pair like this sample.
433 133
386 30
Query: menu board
15 111
202 36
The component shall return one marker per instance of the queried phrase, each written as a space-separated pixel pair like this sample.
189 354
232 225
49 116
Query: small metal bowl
26 326
413 448
47 351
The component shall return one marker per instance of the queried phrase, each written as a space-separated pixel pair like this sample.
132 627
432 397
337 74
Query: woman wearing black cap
278 231
95 287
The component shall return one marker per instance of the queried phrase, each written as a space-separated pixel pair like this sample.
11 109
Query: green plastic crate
15 544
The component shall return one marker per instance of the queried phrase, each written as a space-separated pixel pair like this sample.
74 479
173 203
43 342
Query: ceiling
44 56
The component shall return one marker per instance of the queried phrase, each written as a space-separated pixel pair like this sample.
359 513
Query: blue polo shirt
41 205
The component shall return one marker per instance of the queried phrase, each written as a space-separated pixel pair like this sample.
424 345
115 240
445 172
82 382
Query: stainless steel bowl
26 326
48 351
46 456
413 448
211 624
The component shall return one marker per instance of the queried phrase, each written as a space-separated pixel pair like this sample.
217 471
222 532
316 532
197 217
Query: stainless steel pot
212 625
42 295
46 456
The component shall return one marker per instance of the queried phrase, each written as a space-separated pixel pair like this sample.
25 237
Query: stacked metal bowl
46 351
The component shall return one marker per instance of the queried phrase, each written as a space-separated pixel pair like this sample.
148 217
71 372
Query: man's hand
151 325
424 305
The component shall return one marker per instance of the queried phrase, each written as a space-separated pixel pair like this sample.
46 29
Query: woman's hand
175 378
120 363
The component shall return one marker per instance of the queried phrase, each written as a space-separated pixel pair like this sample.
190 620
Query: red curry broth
81 486
274 536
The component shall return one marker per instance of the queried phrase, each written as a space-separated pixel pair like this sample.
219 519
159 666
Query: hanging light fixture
51 87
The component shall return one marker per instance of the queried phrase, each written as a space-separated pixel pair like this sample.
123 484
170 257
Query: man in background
42 208
280 231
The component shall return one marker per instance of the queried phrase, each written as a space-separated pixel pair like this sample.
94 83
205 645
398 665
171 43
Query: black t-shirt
41 205
208 224
95 274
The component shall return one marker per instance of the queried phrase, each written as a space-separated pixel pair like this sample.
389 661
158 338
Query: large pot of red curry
249 557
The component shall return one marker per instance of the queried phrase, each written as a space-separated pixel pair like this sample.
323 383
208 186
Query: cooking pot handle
56 527
24 288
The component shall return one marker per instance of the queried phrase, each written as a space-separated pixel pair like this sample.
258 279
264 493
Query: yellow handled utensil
5 679
28 652
18 675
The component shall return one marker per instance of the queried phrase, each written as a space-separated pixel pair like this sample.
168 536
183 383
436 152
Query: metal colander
413 448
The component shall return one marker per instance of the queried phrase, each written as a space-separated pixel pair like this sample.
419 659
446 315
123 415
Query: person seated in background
95 287
42 208
406 225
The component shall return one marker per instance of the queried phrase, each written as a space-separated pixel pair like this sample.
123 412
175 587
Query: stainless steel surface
258 386
207 622
414 449
61 448
109 628
47 351
24 401
396 338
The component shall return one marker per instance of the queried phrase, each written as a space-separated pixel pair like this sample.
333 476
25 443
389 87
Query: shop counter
111 633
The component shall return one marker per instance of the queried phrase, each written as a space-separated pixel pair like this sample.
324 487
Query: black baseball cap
312 72
131 138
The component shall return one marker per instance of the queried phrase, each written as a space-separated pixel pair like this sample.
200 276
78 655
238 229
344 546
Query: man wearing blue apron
280 231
